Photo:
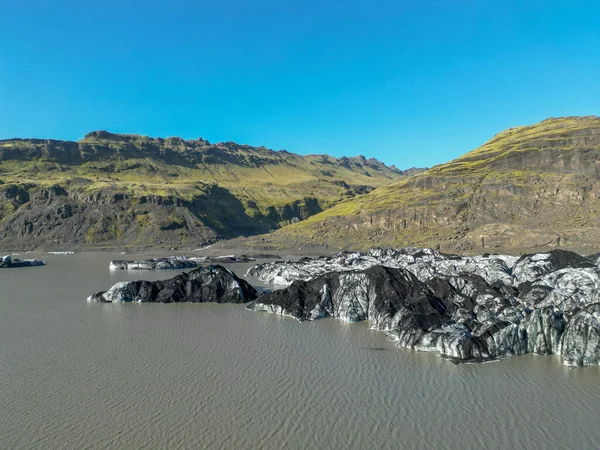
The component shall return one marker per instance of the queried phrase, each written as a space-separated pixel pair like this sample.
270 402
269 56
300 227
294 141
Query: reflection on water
85 375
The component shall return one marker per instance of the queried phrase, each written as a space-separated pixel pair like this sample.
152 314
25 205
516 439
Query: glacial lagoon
86 375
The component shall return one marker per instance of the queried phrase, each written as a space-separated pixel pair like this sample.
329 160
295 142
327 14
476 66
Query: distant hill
529 188
128 191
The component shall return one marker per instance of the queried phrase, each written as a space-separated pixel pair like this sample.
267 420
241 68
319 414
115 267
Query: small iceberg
8 261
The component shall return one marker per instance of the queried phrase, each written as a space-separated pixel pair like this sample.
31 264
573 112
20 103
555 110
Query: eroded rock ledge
205 284
466 308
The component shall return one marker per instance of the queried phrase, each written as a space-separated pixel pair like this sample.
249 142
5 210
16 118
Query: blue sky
413 83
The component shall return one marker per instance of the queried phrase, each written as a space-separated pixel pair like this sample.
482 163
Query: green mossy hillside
528 188
130 190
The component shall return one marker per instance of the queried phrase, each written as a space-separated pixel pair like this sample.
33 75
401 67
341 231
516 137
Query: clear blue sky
413 83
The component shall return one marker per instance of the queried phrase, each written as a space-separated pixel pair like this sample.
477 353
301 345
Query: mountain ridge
529 188
113 190
534 187
173 143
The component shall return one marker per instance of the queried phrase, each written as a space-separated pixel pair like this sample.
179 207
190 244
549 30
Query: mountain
529 188
128 191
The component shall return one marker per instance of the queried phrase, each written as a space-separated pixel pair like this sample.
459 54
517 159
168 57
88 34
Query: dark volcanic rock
205 284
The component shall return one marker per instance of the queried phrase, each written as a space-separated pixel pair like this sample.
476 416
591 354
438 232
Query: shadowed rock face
543 303
206 284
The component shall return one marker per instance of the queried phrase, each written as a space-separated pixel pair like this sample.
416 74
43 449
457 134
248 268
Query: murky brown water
80 375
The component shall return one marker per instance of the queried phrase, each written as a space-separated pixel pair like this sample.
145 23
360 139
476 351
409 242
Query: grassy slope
227 184
278 178
527 187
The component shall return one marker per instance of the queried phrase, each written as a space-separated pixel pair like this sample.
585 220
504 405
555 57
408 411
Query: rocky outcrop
205 284
467 309
8 261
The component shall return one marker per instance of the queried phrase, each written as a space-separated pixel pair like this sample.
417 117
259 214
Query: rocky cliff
129 191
